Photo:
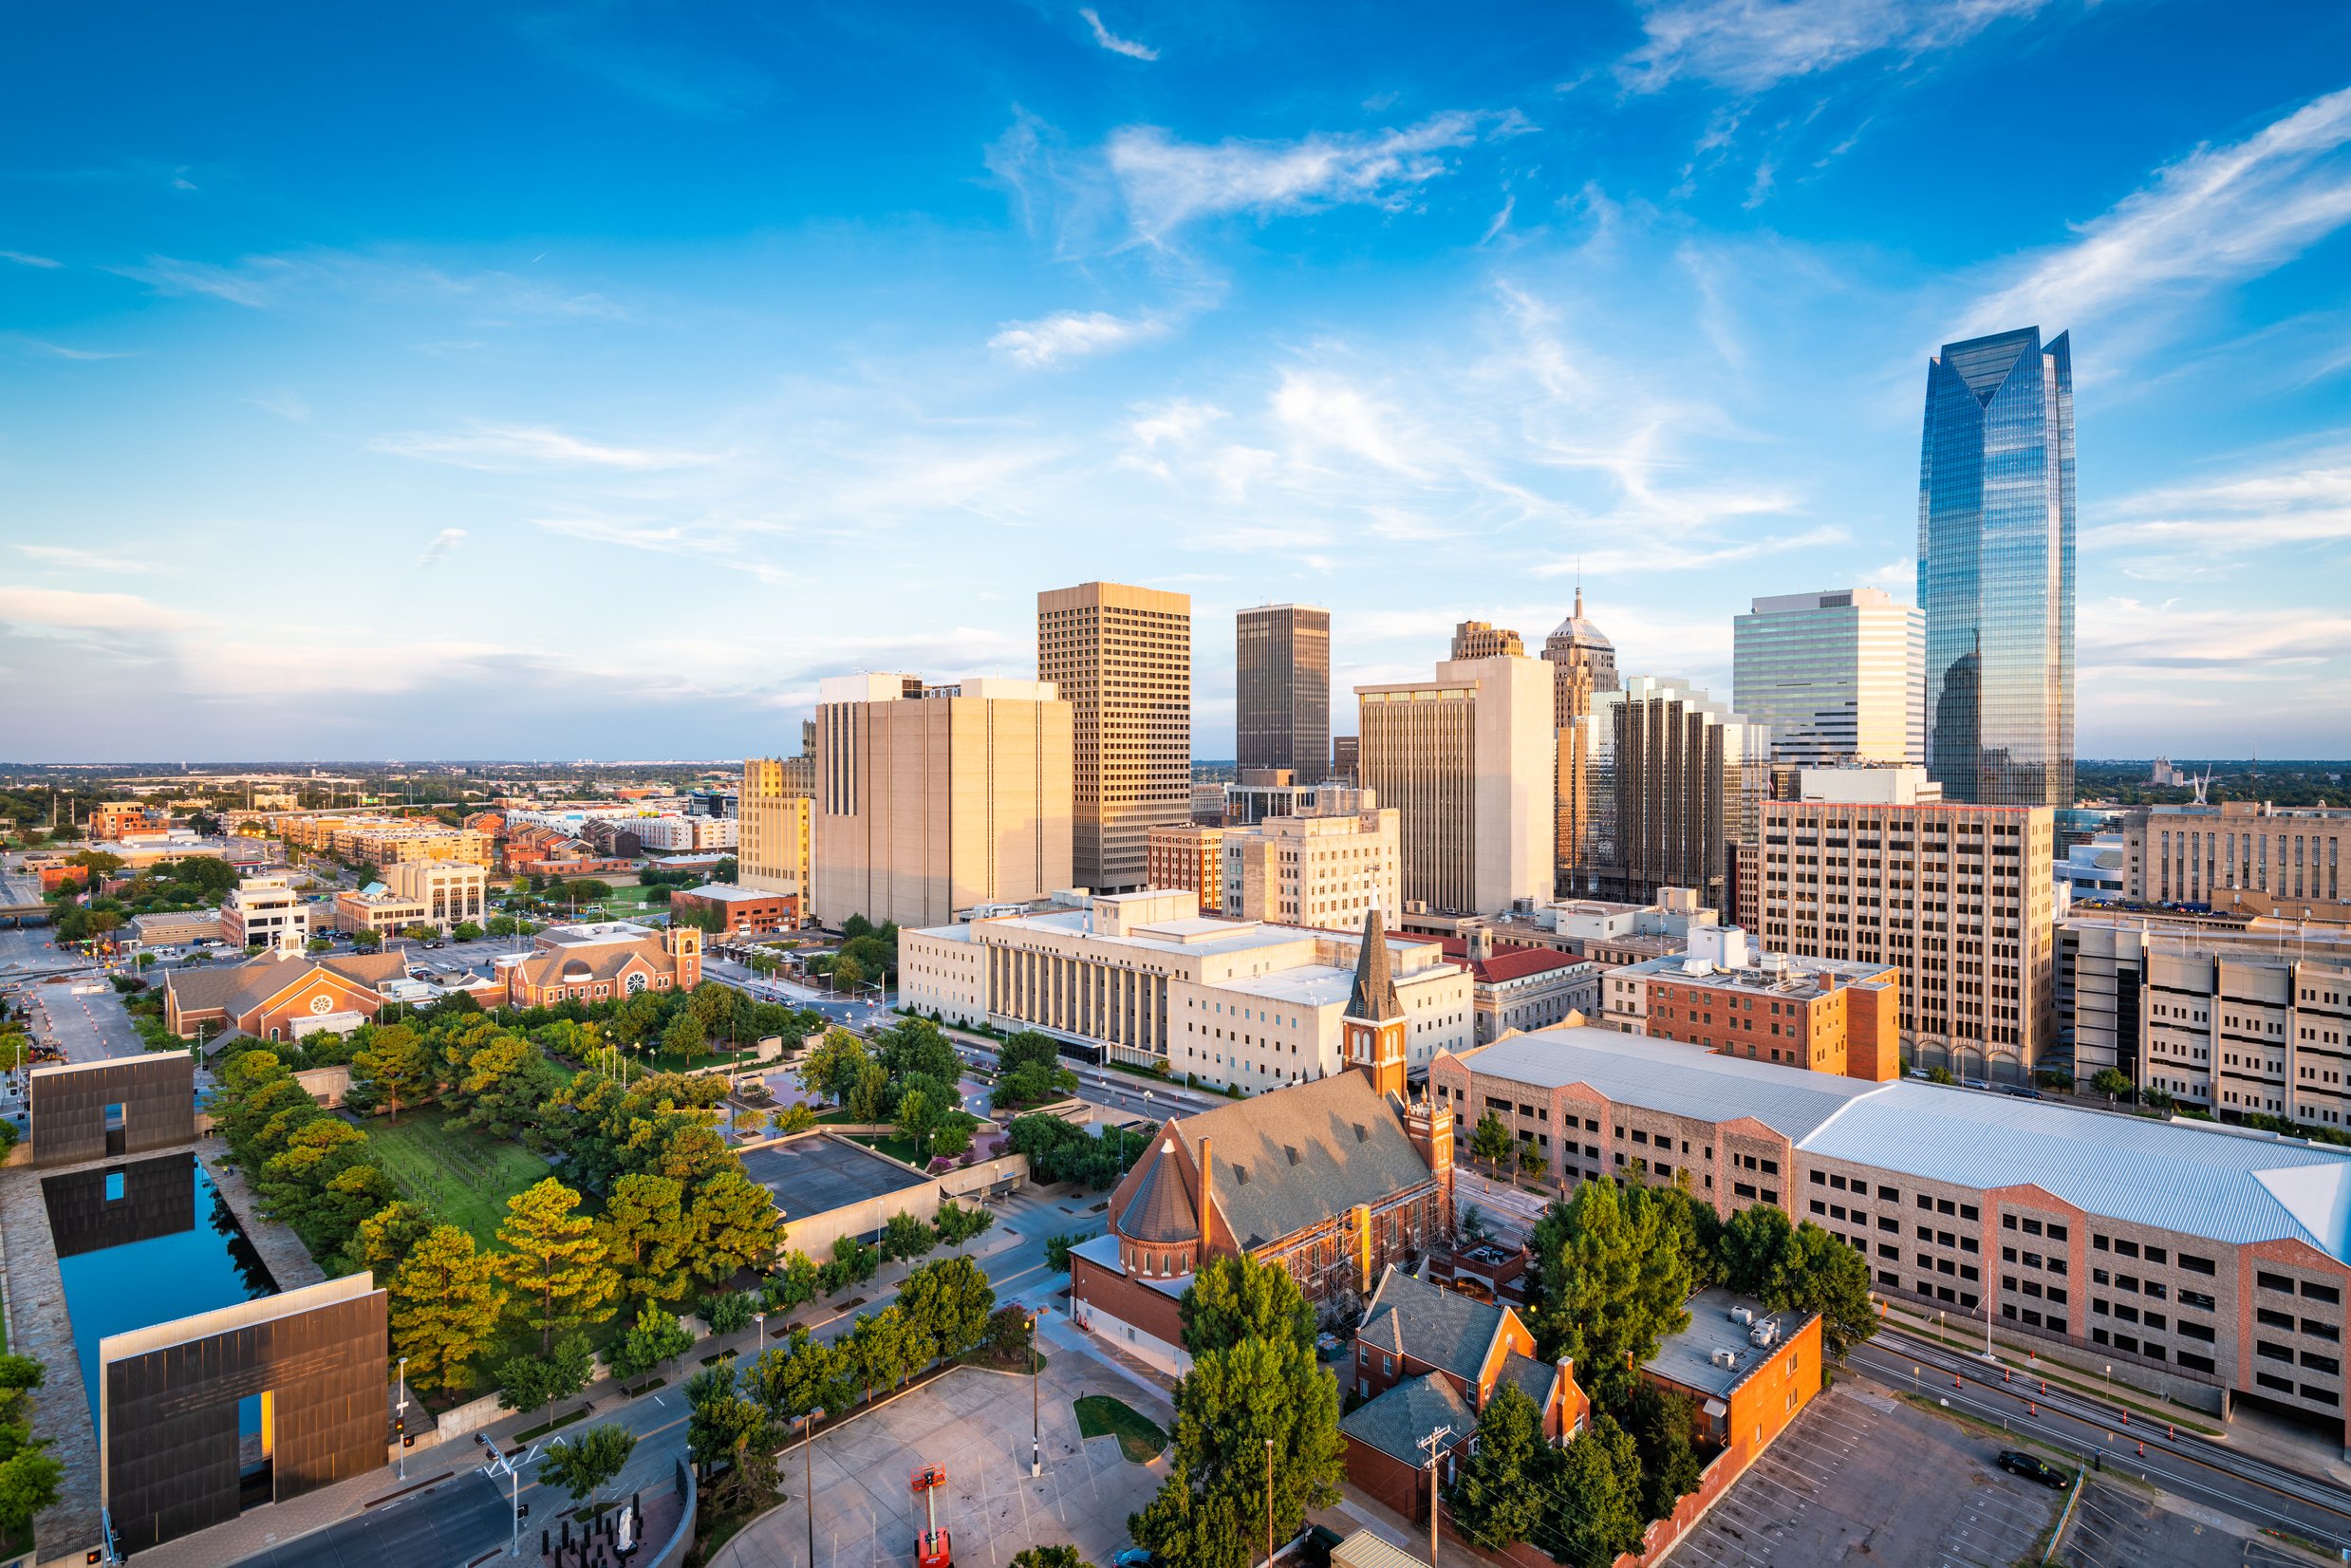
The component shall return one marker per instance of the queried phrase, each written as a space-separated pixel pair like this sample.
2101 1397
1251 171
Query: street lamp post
1036 1423
400 1426
808 1481
1269 1502
760 1318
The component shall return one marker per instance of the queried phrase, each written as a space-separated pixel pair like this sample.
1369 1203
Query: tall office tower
1996 569
1959 898
1838 676
1345 758
1122 657
1281 688
1476 639
1467 761
932 799
1582 661
1676 780
772 845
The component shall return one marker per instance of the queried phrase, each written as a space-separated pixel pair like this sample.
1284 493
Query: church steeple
1373 1025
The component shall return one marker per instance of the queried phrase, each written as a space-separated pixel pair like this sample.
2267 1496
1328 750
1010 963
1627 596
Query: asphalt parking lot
1862 1477
2118 1525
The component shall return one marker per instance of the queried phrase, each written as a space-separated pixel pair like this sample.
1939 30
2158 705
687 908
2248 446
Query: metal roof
1668 1075
2230 1187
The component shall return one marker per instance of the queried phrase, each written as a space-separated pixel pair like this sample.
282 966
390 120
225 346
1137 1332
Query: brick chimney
1207 1168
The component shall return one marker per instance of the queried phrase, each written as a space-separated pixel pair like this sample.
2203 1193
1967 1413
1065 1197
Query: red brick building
278 996
747 911
602 961
1428 1357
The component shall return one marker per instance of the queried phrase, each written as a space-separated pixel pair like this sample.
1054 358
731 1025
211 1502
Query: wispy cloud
66 610
2219 214
25 259
717 543
1168 183
699 85
2122 633
1666 556
2305 503
437 550
249 285
1111 42
506 448
1072 334
58 350
1754 45
67 558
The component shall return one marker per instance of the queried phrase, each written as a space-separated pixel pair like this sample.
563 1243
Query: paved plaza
976 1424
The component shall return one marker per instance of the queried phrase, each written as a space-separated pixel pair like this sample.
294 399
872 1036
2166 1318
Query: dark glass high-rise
1282 689
1996 569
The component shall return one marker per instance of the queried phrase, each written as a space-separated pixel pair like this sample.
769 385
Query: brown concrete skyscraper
1122 659
1281 689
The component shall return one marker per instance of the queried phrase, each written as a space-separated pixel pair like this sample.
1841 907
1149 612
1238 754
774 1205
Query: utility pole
1434 1442
1269 1502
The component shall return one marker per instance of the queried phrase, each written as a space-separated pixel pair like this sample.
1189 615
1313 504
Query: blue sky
590 380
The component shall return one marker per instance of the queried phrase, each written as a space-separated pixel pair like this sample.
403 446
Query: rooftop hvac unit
1764 1333
1743 1316
1725 1358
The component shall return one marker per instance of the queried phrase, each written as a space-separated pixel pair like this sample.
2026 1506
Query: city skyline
671 365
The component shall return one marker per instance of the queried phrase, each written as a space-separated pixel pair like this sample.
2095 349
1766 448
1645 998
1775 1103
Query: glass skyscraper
1996 569
1835 676
1281 688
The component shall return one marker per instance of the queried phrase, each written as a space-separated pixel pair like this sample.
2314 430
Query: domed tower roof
1161 1209
1578 630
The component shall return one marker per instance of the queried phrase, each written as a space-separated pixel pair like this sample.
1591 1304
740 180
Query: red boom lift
931 1547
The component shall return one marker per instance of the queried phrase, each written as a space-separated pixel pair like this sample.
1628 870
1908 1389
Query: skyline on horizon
591 382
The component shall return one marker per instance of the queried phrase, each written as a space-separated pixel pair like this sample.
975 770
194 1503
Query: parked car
2033 1467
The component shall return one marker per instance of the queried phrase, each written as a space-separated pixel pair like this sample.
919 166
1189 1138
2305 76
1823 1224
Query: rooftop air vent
1240 1173
1291 1150
1363 1133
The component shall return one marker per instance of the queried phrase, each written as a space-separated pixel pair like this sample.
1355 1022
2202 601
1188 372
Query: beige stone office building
1322 869
1468 760
2243 856
773 841
1583 663
1480 640
1121 658
933 799
1148 979
1959 898
450 891
2233 1018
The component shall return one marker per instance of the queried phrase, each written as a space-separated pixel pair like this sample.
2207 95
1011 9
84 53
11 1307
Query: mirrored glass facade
1996 569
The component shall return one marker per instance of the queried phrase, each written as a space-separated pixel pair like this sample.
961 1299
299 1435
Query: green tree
735 1226
553 1263
903 1235
916 1116
527 1382
1228 1406
952 1136
1057 1250
869 1094
1236 1298
1800 1268
1611 1279
394 1069
831 1065
957 1224
792 1119
1661 1420
2111 1082
656 1337
1597 1495
730 1438
1491 1142
1499 1497
846 973
946 1303
793 1284
646 1238
685 1036
917 1047
445 1306
729 1310
500 1080
465 930
585 1465
383 1241
1531 1161
884 1346
368 941
802 1376
1048 1557
1941 1075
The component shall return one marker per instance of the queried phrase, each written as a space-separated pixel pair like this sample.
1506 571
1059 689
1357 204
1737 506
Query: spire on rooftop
1374 997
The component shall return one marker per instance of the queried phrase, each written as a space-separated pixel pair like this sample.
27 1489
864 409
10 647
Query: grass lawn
463 1176
1139 1438
896 1148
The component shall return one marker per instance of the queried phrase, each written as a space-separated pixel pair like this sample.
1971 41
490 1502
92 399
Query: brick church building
1334 1179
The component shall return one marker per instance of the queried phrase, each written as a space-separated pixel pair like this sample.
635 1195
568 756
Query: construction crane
932 1548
